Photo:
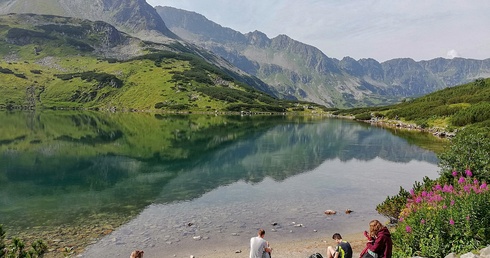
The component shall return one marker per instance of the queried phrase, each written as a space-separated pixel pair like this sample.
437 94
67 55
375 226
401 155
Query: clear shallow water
230 215
227 176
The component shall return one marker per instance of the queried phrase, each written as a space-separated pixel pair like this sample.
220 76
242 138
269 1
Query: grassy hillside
466 105
57 62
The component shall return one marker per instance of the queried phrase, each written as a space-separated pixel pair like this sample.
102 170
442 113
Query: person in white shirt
259 248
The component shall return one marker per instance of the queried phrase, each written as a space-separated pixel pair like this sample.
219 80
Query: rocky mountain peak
351 66
131 16
191 21
258 38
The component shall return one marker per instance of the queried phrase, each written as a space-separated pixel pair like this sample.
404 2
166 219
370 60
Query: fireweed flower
484 186
408 229
468 173
451 222
447 188
438 187
455 173
461 180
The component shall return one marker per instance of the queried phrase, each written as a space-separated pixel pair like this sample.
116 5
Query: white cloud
452 54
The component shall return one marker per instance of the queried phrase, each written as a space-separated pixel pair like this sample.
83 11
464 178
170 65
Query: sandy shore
287 249
296 249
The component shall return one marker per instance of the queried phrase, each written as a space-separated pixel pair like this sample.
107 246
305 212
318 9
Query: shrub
363 116
469 149
104 79
6 71
448 218
393 206
475 113
16 249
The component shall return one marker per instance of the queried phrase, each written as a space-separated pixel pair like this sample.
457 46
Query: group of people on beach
379 244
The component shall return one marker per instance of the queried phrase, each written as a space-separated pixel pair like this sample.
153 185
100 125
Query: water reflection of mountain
79 164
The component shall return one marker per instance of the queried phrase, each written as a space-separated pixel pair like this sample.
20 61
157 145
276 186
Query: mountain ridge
300 71
135 17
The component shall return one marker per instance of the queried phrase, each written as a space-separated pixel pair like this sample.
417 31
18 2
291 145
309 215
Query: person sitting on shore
382 245
343 249
259 248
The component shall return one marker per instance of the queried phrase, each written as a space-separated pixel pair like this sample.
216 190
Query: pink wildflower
461 180
468 173
422 221
424 194
438 187
437 198
401 219
412 192
452 202
475 181
455 173
444 206
484 186
451 222
408 229
447 188
476 189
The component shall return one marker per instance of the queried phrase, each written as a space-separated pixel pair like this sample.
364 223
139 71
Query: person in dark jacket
382 244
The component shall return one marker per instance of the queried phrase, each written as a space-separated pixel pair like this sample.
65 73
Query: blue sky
379 29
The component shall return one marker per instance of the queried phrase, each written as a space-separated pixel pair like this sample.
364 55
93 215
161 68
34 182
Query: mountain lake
85 182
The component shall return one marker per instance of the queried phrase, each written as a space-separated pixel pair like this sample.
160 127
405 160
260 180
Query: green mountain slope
466 105
58 62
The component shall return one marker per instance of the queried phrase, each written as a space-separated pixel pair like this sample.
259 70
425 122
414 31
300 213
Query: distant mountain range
289 68
131 16
300 71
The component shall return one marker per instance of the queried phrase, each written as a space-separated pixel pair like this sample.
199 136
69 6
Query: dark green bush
6 71
363 116
82 46
23 36
16 249
474 114
104 79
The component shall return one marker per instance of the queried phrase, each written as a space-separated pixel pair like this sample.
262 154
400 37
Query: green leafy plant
448 218
469 149
394 205
16 248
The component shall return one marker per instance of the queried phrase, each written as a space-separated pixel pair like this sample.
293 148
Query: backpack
317 255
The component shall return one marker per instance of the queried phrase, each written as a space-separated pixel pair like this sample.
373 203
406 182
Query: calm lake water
174 184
